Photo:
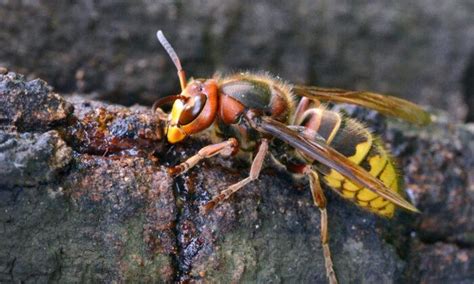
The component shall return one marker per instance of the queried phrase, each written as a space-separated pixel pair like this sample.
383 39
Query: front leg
254 173
225 148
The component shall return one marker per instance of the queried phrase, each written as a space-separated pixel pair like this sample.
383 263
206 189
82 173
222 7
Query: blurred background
422 50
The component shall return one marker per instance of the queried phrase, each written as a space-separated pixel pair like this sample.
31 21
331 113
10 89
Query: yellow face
193 111
175 133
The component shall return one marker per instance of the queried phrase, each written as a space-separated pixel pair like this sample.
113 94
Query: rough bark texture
423 50
85 197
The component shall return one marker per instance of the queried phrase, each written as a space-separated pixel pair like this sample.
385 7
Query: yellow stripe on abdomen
362 149
334 178
377 162
350 138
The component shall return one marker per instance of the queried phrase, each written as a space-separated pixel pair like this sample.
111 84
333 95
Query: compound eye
192 109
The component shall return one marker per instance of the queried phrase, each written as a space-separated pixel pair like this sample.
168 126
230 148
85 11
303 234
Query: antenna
167 100
169 49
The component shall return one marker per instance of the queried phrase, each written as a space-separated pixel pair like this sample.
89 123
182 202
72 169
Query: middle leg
254 173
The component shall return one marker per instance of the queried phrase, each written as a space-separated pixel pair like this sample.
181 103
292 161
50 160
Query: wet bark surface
86 197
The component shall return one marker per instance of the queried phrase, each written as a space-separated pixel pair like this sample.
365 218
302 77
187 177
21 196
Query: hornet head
195 108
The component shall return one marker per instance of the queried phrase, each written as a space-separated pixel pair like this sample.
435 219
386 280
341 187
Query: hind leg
320 201
304 104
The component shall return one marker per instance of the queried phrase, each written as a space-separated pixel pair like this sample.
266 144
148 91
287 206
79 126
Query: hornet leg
320 201
304 104
224 148
254 172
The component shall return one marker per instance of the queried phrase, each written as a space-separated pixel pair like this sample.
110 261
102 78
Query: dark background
421 50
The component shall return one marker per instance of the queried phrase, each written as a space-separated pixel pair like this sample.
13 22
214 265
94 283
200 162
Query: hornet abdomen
354 140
